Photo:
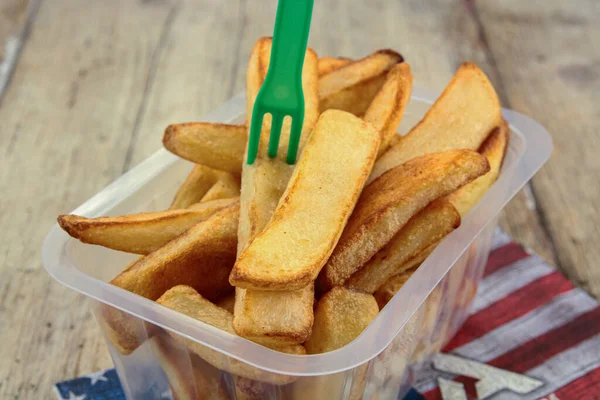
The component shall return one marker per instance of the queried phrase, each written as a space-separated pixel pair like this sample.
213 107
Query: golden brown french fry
201 381
217 204
226 302
265 180
138 233
274 317
385 293
429 226
494 149
224 188
123 330
199 181
327 181
414 262
461 118
202 257
249 389
186 300
386 111
263 183
219 146
394 141
390 201
330 64
353 87
340 317
333 386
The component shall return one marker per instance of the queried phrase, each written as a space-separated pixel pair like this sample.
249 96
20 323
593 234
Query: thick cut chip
224 188
186 300
429 226
265 180
219 146
333 386
202 257
385 293
274 316
390 201
263 183
461 118
330 64
353 87
494 149
190 378
139 233
199 181
387 109
314 209
394 141
340 317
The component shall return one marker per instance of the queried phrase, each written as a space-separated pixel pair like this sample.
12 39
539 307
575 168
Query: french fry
274 317
387 108
139 233
353 87
201 381
199 181
263 183
124 331
429 226
333 386
340 317
494 149
219 146
385 293
202 257
186 300
314 209
394 140
461 118
330 64
249 389
265 180
224 188
390 201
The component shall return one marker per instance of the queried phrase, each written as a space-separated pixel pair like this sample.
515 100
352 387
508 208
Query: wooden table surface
87 87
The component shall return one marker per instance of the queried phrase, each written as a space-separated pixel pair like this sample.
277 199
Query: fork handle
290 36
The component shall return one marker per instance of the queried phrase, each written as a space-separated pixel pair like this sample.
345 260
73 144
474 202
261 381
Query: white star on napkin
96 377
73 396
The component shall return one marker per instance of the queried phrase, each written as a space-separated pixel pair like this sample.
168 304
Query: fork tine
255 129
277 122
297 122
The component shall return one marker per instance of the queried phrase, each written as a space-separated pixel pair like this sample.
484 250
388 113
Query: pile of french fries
301 258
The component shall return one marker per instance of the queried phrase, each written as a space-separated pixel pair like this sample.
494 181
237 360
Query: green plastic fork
281 93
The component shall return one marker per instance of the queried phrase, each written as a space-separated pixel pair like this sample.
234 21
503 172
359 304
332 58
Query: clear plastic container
381 363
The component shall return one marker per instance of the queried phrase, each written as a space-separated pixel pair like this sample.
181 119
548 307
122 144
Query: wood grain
120 72
67 118
548 61
15 20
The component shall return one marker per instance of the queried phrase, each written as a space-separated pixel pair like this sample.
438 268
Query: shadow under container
160 353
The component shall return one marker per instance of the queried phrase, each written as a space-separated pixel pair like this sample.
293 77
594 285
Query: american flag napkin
531 335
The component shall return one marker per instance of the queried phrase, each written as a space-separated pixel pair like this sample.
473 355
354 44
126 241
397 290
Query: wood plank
15 18
548 59
67 119
196 71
